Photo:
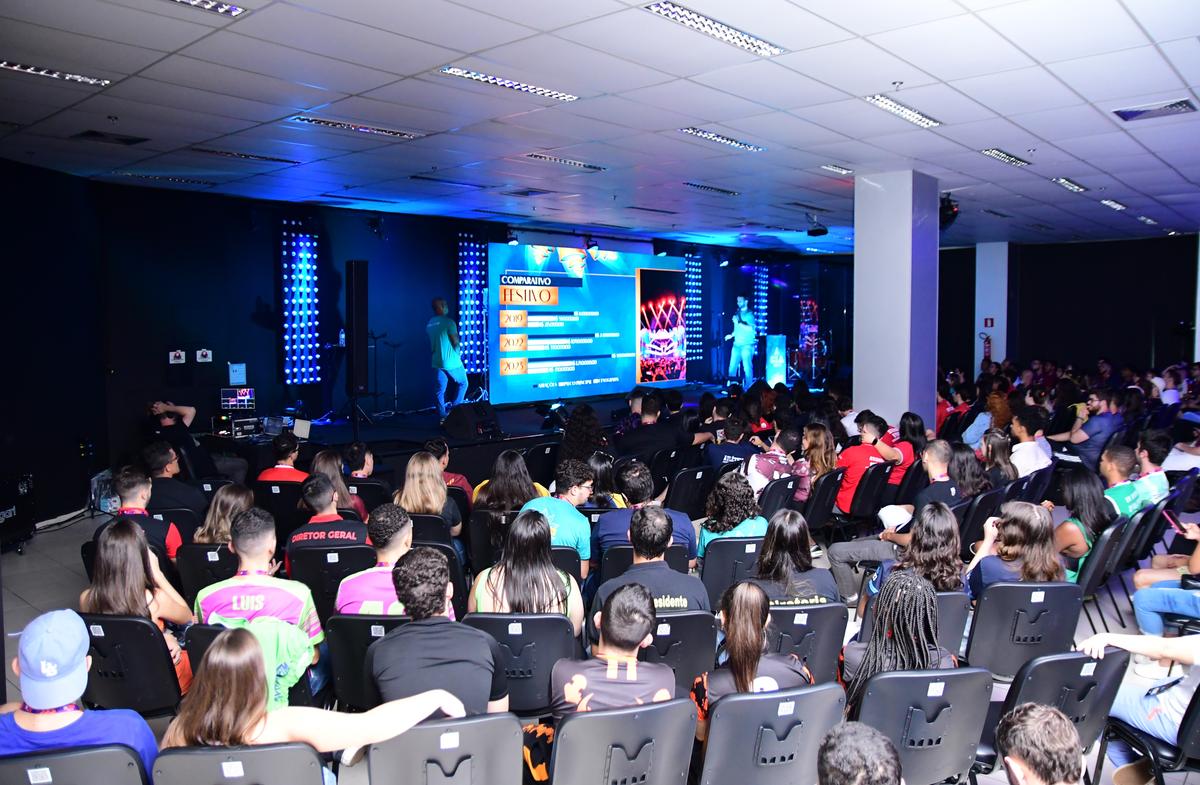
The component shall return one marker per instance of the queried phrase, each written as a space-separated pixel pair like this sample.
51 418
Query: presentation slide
571 322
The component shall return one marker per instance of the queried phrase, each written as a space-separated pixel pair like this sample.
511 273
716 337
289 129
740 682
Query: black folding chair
777 496
983 506
267 764
372 492
209 486
934 717
818 510
646 745
131 666
203 564
1015 622
458 575
322 571
531 643
1095 571
469 750
619 558
951 429
186 521
1016 490
282 500
1039 484
197 639
813 634
111 764
954 611
770 738
687 641
430 528
726 561
664 465
486 530
867 499
349 637
541 460
1164 757
1122 555
349 514
566 558
915 480
689 489
461 500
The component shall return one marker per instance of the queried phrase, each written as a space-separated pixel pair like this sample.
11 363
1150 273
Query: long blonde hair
227 502
424 491
329 463
822 458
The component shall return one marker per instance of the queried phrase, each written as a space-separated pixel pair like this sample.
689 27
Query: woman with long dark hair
932 552
525 579
1017 546
604 486
744 613
329 463
997 458
785 567
582 434
1091 513
510 485
903 452
226 503
967 472
731 511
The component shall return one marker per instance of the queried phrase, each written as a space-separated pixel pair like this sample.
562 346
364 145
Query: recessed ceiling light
554 159
1147 220
165 178
713 189
714 29
812 249
1042 227
244 156
902 111
511 84
1003 157
836 169
1070 185
224 9
362 129
36 70
1112 203
1173 233
722 139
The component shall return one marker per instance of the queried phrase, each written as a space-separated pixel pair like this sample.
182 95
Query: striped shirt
254 596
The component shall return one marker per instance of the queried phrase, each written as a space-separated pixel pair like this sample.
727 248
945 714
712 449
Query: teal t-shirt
1153 487
440 329
1125 497
751 527
568 526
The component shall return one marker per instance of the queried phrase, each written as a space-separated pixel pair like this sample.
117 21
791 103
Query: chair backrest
1082 688
349 514
186 521
566 558
1164 416
593 513
460 499
935 718
479 534
349 637
770 738
209 486
687 641
282 500
663 466
87 554
1189 728
951 427
1153 527
689 490
1183 490
197 639
1095 571
868 496
531 643
111 764
813 633
470 750
458 576
777 495
267 764
727 561
1125 546
1015 622
730 466
1039 484
322 570
372 492
819 507
646 745
915 480
983 506
430 528
1016 490
131 667
203 564
619 558
954 610
540 460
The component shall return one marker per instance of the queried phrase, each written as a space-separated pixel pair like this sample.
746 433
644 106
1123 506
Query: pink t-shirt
254 596
369 592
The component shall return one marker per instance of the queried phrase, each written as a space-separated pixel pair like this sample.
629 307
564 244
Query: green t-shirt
1125 497
445 355
568 526
287 654
1153 487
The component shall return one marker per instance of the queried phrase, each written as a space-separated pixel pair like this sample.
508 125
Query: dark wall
956 308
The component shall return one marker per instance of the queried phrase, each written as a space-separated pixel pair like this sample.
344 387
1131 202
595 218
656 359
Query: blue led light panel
472 302
762 281
301 305
693 317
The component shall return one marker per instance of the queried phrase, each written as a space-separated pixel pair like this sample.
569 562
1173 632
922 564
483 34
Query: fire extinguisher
987 346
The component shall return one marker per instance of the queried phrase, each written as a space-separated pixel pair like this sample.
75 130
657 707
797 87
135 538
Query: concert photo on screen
662 349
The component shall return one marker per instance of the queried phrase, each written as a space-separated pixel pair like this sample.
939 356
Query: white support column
895 293
991 300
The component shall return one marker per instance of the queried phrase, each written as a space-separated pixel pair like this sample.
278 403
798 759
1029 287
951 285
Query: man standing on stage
447 364
745 341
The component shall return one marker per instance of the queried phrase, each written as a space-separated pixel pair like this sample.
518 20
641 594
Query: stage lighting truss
301 305
762 280
693 291
472 302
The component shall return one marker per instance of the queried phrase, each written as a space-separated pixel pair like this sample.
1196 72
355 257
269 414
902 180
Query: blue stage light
693 319
301 320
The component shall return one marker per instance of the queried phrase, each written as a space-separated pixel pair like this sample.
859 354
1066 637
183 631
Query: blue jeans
1151 603
319 675
742 356
1136 708
445 377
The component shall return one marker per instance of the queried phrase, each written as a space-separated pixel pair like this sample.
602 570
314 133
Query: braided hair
904 636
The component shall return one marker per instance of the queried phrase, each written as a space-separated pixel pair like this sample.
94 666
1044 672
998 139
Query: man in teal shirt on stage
447 363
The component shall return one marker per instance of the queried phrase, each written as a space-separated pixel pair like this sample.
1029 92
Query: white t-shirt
1175 701
1028 457
1170 396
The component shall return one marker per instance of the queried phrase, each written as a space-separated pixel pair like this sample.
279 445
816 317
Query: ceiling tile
547 14
160 136
1101 146
151 92
443 95
1082 120
389 115
954 48
856 66
80 54
615 109
1050 29
784 129
176 69
1184 54
111 22
563 65
556 121
433 21
873 16
1166 20
1022 90
944 103
855 118
916 144
770 84
777 21
1118 74
124 109
694 99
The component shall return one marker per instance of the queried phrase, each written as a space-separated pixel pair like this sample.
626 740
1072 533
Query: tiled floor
49 575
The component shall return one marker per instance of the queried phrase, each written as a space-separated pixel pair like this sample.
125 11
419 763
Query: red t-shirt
899 470
855 460
943 411
282 474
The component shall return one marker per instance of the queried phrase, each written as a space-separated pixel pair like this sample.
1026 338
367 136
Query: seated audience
744 616
944 406
133 488
902 451
994 414
1083 496
424 493
287 449
1027 453
604 491
509 487
1118 466
1091 429
932 551
820 450
1039 745
359 463
853 753
326 528
128 582
650 532
734 445
847 414
167 492
857 459
1017 546
903 637
730 511
777 462
573 483
170 423
227 502
329 463
651 436
785 568
1153 448
1166 569
51 666
637 486
525 579
432 651
371 591
633 418
966 471
439 449
714 422
582 434
997 458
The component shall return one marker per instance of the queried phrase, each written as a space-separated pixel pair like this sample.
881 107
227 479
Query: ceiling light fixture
902 111
714 29
713 189
511 84
223 9
340 125
36 70
836 169
813 249
1070 185
1114 204
722 139
244 156
1147 220
554 159
1003 157
165 178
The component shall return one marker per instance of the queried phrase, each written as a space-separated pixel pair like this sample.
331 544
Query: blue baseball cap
53 658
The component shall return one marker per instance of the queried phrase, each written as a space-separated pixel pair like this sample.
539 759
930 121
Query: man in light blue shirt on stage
745 341
447 363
